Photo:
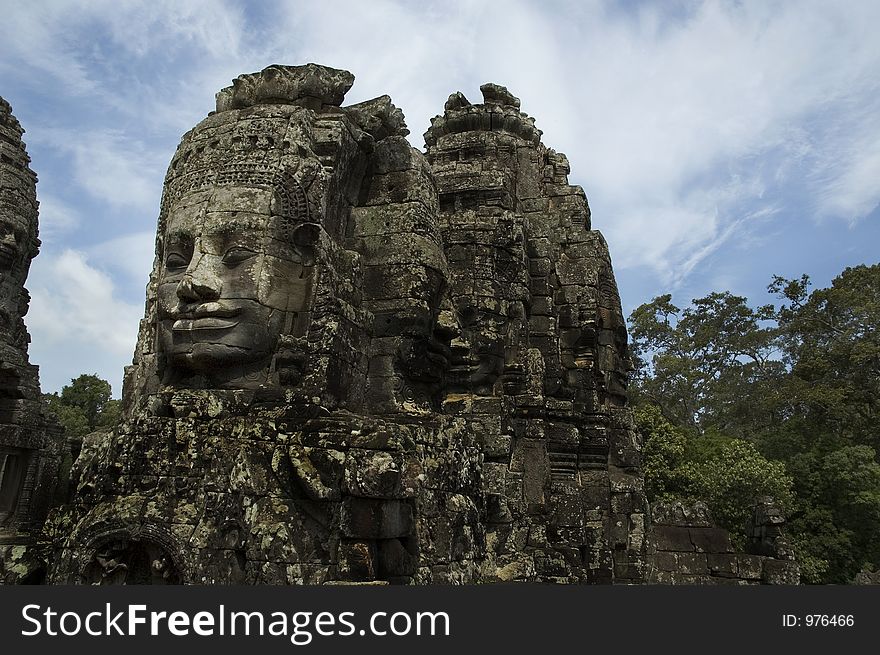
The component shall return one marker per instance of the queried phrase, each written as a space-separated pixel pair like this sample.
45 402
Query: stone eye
236 255
175 261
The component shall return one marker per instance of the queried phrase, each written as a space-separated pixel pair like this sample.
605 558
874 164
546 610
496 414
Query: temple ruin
361 363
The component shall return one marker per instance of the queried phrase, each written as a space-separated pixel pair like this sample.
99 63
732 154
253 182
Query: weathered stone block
394 153
666 561
375 474
723 565
780 572
358 560
395 559
749 567
692 563
673 538
567 511
711 540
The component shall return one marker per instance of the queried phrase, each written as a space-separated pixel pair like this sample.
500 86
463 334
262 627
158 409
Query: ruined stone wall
30 443
688 548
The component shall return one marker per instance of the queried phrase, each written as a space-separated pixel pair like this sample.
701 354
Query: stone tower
539 355
361 365
30 444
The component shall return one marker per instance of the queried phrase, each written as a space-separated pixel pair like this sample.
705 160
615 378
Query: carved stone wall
30 444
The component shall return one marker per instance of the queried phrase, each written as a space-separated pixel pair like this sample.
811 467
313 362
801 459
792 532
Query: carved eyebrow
179 235
176 239
227 229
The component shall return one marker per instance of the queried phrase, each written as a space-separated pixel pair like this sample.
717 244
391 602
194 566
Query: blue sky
719 143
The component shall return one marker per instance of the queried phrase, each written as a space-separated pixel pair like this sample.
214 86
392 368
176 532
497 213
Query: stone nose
199 283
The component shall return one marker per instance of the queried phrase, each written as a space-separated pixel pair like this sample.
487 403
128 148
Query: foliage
72 418
700 364
732 479
728 474
836 519
735 400
662 455
110 415
831 343
90 394
84 405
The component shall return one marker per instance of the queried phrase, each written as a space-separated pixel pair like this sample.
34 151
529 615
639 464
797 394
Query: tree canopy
782 398
84 405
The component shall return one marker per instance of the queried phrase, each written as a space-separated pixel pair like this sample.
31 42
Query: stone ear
305 238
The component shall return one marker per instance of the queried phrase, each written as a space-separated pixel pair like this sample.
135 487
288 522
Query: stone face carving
292 306
232 283
18 229
244 207
363 364
30 443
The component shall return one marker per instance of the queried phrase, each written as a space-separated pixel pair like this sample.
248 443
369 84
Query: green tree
728 474
111 414
831 342
836 517
72 418
732 477
703 365
663 455
90 394
84 405
798 385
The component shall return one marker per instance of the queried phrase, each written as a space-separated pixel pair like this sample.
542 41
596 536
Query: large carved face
232 281
487 297
12 238
478 348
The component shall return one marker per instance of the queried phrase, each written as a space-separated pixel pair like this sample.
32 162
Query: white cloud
847 181
76 320
678 120
113 167
131 255
33 38
66 39
707 104
143 29
70 298
688 124
57 217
